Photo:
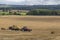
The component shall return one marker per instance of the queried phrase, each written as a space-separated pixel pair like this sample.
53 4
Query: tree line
43 12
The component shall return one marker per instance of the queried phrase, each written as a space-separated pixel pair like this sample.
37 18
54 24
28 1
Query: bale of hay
13 27
52 32
3 29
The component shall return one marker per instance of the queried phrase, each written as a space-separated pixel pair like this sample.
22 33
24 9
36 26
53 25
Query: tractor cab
25 29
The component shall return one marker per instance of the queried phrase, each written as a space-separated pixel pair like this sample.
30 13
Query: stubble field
41 26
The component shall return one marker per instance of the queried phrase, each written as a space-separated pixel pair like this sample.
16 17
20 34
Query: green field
12 13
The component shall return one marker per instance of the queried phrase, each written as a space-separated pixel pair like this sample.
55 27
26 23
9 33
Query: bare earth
42 27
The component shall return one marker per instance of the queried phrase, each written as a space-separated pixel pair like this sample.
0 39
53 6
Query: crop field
43 27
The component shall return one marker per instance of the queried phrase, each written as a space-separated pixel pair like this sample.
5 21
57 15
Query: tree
42 12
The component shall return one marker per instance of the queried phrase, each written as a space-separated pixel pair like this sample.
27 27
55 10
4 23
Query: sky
30 2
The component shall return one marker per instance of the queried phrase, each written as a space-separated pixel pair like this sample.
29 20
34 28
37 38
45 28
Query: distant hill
29 7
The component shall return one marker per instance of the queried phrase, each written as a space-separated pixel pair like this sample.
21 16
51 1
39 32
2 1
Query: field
41 26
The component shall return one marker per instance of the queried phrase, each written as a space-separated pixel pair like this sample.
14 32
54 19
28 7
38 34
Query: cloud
31 2
42 2
14 0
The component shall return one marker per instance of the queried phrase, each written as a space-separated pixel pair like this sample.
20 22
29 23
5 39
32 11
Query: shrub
3 13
